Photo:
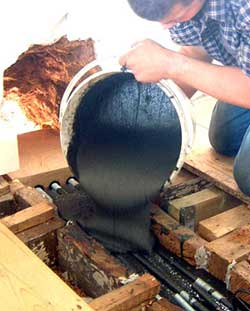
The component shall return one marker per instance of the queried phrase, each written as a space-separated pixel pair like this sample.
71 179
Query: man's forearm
228 84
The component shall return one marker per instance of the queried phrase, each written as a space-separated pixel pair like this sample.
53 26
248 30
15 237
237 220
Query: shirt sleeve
186 33
243 27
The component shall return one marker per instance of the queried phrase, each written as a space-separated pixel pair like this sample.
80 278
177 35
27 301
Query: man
206 30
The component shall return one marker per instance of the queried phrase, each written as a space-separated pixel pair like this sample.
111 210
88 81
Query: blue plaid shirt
222 27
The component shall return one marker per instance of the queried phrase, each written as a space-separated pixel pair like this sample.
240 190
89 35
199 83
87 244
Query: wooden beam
240 279
129 296
26 196
192 208
185 188
26 283
4 186
29 217
232 248
88 263
180 240
163 305
217 226
42 240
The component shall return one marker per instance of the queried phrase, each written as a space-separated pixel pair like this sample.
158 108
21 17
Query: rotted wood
29 217
129 296
230 249
26 196
4 186
180 240
185 188
87 262
240 279
42 240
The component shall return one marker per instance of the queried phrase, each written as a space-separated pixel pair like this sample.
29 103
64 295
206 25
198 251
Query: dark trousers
229 134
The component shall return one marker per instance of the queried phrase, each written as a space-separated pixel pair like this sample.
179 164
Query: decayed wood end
180 240
26 196
87 262
185 188
29 217
240 279
26 283
128 296
233 247
163 305
42 240
4 186
191 209
191 247
217 226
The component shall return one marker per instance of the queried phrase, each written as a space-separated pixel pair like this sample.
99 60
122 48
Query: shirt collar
213 9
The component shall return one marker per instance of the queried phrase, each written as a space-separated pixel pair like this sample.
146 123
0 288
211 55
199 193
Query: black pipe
165 278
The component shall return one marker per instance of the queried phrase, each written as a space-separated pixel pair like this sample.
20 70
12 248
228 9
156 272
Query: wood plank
39 152
26 196
217 226
26 283
192 208
88 263
180 240
129 296
232 248
218 169
42 240
29 217
187 187
163 305
240 279
4 186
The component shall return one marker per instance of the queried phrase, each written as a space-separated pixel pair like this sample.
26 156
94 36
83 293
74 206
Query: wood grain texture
29 217
233 247
206 163
163 305
240 279
129 296
42 240
217 226
4 186
27 284
39 152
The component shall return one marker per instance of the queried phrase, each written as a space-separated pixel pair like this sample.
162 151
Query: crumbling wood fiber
40 76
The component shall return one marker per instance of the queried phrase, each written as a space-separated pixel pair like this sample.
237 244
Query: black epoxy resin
126 143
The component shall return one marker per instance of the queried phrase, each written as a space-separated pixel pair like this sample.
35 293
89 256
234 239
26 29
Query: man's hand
150 62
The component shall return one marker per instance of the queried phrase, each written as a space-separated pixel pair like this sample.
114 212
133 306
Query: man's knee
227 128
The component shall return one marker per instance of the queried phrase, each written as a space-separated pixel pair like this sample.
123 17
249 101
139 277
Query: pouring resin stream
123 142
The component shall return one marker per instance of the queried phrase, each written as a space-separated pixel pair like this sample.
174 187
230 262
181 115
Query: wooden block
185 188
87 263
29 217
224 223
28 196
180 240
240 279
4 186
163 305
233 247
129 296
7 205
42 240
191 209
26 283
